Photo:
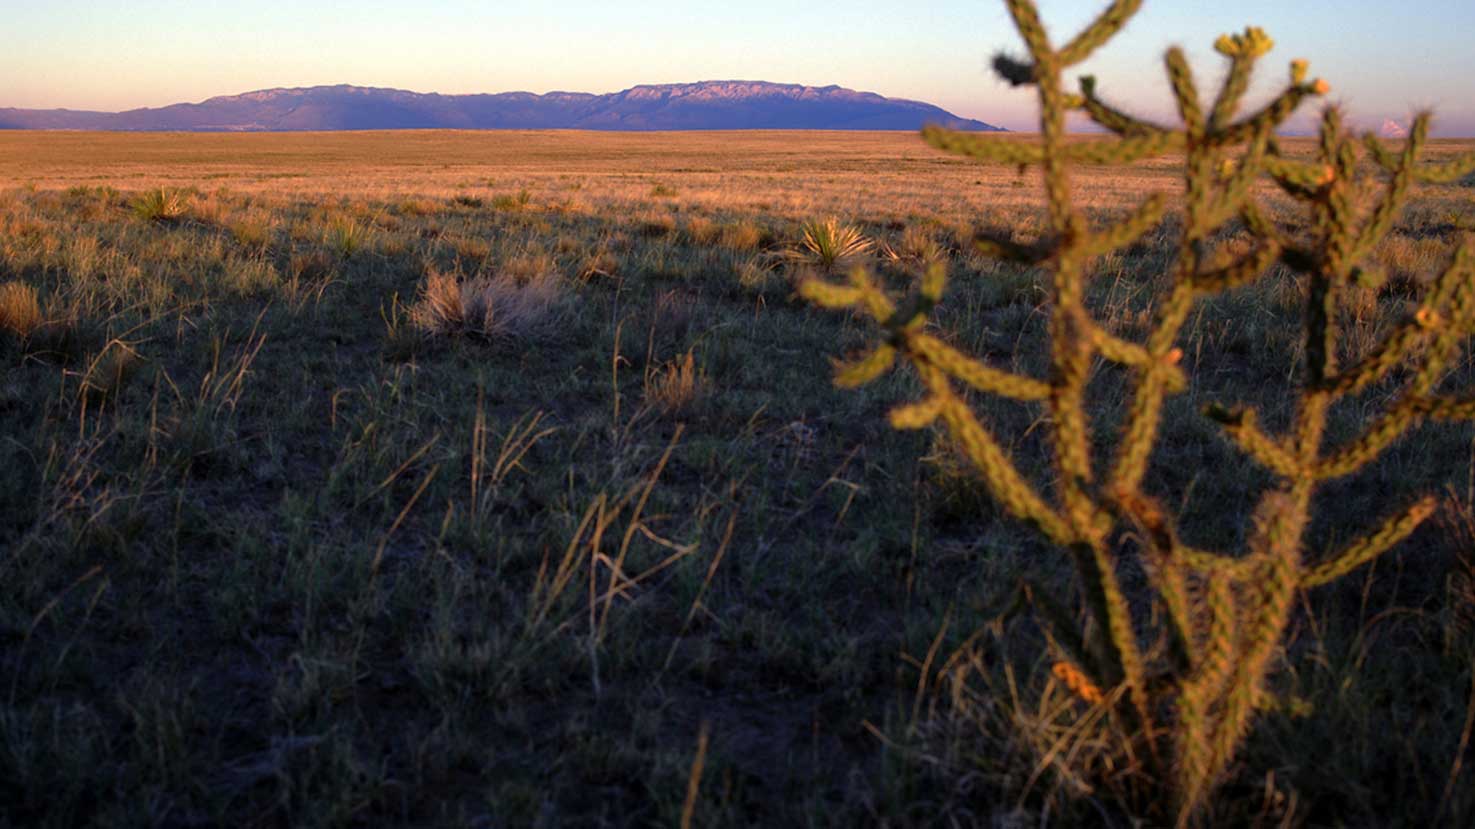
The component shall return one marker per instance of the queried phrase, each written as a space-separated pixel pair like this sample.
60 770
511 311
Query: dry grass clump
519 201
310 265
702 231
677 386
656 223
416 207
600 263
741 236
486 308
20 310
252 231
918 245
108 372
529 266
471 250
754 275
162 205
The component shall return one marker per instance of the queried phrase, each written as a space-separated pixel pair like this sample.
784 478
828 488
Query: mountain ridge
701 105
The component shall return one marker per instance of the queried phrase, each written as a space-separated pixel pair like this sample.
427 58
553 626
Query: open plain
498 479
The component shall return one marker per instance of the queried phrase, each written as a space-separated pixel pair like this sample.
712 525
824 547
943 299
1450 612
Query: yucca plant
1182 681
346 237
161 205
829 243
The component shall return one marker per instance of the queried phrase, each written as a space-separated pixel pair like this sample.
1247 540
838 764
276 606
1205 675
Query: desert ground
498 479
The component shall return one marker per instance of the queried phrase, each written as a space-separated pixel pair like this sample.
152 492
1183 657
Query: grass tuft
486 308
20 310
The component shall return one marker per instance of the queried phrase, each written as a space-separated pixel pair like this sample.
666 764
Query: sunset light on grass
1000 413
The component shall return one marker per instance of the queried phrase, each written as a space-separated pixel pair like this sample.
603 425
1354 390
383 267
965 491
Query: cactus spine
1224 615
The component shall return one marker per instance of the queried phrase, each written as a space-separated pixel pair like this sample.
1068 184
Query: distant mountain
709 105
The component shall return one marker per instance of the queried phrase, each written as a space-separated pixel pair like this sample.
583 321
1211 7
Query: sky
1384 60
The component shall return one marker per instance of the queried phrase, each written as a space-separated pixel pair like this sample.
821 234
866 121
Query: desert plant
1182 682
829 243
346 237
162 205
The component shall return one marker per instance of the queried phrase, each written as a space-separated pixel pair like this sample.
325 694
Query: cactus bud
1320 87
1299 68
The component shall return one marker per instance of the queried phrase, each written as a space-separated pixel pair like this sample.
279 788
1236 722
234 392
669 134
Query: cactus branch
1393 531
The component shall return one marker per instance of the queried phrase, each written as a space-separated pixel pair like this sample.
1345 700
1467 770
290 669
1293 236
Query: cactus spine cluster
1225 614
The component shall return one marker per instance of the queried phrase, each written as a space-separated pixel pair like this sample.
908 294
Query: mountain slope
709 105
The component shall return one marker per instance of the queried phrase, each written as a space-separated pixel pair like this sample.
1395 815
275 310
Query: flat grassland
494 479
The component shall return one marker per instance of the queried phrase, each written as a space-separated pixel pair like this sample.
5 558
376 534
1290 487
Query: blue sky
1383 59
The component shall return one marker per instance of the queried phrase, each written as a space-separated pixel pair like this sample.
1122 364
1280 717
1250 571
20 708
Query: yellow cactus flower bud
1257 43
1299 68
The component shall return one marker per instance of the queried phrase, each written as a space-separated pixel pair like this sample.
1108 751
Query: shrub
1180 682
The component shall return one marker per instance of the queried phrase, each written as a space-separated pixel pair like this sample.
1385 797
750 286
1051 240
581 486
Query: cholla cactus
1225 614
